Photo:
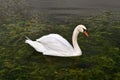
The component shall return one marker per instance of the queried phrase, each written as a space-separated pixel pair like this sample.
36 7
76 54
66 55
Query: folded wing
56 44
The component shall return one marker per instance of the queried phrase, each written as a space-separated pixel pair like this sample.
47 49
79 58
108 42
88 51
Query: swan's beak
86 33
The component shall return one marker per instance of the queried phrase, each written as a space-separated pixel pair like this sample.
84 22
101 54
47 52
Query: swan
56 45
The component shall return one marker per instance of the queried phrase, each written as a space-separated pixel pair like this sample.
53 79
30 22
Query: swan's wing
55 42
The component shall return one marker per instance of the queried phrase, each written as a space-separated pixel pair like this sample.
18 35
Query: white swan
56 45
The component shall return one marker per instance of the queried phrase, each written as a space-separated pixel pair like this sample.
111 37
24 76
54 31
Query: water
62 8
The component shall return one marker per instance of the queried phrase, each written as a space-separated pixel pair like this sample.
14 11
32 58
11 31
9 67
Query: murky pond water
62 8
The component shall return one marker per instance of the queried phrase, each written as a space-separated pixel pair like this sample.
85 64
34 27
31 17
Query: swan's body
56 45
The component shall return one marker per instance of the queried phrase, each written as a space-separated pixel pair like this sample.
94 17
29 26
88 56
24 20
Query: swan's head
82 29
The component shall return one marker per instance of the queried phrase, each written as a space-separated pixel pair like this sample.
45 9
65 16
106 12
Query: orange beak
86 33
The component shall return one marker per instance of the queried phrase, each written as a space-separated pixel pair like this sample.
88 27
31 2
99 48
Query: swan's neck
74 41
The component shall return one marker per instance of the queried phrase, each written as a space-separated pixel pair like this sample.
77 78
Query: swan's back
56 44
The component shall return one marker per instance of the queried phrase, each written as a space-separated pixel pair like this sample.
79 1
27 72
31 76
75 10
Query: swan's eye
84 30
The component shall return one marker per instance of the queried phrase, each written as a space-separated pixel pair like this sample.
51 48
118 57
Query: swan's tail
27 39
35 44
